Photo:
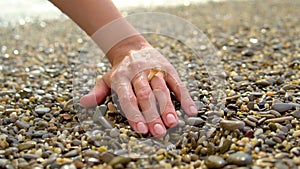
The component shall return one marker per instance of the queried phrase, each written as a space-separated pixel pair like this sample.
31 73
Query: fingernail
193 110
159 129
171 119
142 128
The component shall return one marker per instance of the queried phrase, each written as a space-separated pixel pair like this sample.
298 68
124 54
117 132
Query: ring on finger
154 71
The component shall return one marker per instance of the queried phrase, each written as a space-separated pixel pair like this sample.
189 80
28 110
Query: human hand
140 79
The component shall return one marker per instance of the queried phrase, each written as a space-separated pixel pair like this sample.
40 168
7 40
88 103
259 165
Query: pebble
114 132
239 158
71 153
213 161
30 156
119 160
232 125
195 121
282 107
26 145
22 124
296 114
42 110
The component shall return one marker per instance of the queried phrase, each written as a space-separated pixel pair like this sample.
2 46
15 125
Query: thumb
98 93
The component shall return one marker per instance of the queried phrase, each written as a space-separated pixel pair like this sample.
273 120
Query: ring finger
147 104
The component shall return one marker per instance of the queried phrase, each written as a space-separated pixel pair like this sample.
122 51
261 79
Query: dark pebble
30 156
282 107
239 158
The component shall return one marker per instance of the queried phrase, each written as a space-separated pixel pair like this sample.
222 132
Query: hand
138 92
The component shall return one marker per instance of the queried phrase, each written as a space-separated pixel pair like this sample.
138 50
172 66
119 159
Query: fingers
98 94
162 94
182 94
147 104
128 103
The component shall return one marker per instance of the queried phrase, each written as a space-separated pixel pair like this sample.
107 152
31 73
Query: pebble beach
47 64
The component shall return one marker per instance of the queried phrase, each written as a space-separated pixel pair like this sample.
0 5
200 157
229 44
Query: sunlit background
20 9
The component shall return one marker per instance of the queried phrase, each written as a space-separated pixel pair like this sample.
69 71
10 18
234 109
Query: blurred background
19 9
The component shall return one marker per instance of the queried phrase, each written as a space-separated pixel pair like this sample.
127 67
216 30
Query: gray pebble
22 124
282 107
270 142
181 123
114 132
42 110
232 124
215 162
30 156
194 121
239 158
71 153
107 157
296 114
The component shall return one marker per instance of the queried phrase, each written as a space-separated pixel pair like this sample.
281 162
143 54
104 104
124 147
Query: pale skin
91 15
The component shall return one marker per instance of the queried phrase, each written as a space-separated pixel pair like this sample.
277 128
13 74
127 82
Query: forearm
92 15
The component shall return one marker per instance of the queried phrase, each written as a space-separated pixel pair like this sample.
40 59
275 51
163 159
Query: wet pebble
282 107
232 124
42 110
195 121
213 161
239 158
114 132
30 156
26 145
22 124
296 114
71 153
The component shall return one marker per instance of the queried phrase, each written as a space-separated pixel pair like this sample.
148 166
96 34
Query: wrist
125 47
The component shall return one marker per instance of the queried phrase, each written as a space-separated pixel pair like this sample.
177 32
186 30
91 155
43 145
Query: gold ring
154 71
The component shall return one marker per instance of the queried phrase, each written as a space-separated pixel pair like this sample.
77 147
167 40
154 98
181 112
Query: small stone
263 82
91 153
296 114
282 107
71 153
248 52
107 157
194 121
270 142
238 78
186 158
239 158
114 132
26 145
42 110
42 124
214 162
119 160
232 124
22 124
225 146
30 156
